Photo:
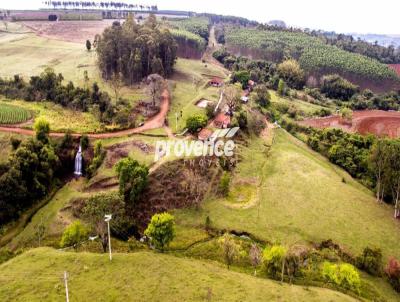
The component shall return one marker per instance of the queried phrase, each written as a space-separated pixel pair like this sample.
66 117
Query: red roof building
216 82
222 121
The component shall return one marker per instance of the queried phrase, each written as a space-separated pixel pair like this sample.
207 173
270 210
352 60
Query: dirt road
155 122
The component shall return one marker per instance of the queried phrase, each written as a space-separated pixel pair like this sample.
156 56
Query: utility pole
107 219
66 286
176 122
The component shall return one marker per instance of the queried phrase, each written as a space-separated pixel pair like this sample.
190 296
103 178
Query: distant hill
384 40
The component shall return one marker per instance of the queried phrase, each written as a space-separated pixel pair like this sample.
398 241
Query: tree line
100 5
132 51
375 161
49 86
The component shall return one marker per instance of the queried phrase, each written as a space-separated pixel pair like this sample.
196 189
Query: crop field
60 118
10 114
140 276
311 52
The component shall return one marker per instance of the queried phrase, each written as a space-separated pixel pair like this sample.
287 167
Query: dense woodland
132 51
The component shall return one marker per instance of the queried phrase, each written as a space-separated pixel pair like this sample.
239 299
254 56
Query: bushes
99 155
73 235
224 184
273 259
161 230
336 87
291 73
370 261
343 275
196 122
392 271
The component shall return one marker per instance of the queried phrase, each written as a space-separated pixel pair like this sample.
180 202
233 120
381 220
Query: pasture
300 198
140 276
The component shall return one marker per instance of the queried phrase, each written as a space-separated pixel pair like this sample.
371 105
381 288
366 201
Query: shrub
229 248
224 183
42 129
273 258
196 122
99 155
291 73
336 87
84 142
370 261
344 275
161 230
281 87
73 235
392 271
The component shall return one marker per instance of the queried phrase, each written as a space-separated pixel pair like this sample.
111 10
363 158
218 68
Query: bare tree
116 84
232 98
229 248
155 84
255 257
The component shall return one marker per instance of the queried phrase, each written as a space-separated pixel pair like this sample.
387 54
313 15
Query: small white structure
244 99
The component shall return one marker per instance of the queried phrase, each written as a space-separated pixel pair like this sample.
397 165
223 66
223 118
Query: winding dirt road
155 122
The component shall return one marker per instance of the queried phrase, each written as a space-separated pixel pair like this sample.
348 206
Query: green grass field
10 114
301 198
143 276
28 54
60 118
185 93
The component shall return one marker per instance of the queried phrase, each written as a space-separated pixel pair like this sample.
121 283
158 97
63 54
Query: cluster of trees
336 87
48 86
312 53
369 100
375 161
349 151
29 174
131 51
100 5
386 55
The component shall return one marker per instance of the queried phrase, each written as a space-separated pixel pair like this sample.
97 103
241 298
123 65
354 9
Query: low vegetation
10 114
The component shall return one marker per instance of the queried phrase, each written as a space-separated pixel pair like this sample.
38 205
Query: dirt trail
211 47
155 122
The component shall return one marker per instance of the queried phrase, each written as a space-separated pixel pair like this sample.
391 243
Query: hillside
291 194
141 276
314 55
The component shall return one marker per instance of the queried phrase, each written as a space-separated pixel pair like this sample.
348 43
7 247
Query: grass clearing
29 55
302 199
186 93
143 276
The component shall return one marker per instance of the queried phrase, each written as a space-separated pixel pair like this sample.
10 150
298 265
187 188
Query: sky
342 16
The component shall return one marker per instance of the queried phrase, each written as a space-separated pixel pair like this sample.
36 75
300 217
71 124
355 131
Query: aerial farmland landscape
199 151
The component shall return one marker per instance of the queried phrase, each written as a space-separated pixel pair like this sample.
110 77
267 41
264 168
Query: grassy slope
143 276
185 94
28 54
301 199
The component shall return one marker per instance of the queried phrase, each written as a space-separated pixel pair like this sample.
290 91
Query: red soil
395 67
378 122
